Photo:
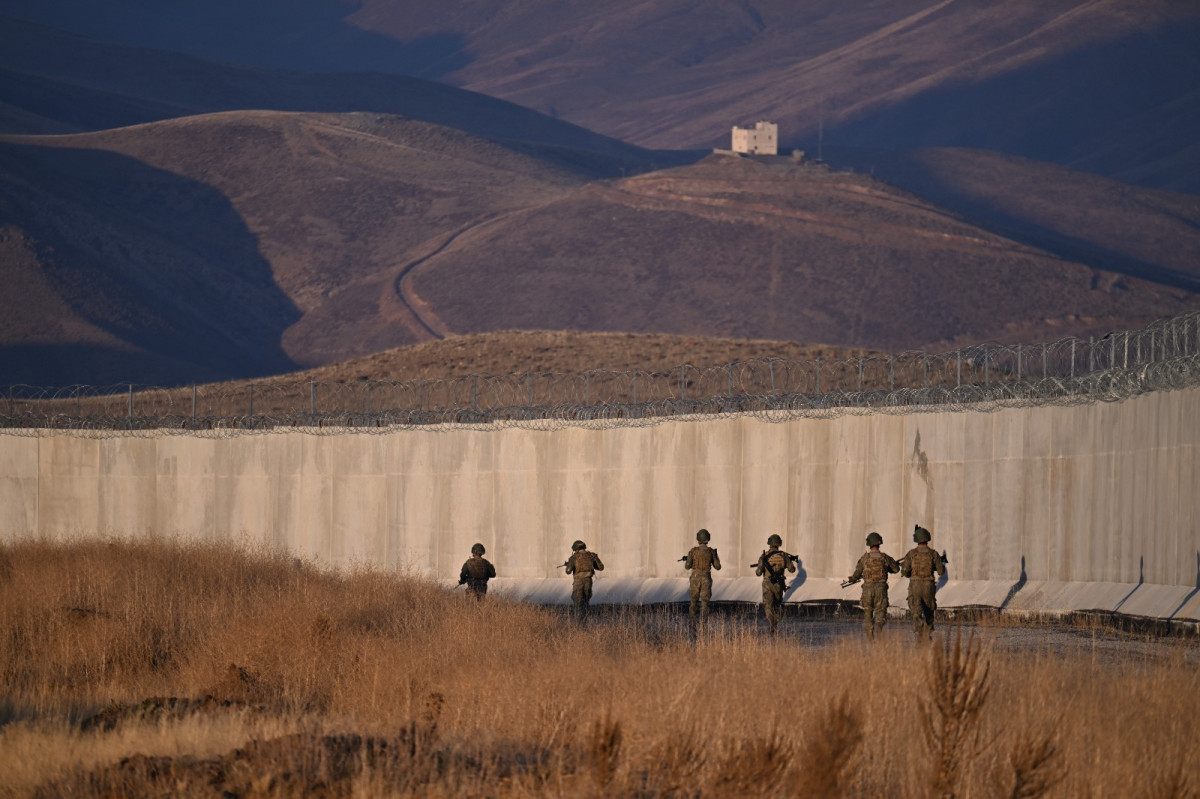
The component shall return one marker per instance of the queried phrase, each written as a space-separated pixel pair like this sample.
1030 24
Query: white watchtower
762 139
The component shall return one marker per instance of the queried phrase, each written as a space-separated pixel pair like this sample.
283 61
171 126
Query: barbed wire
1161 356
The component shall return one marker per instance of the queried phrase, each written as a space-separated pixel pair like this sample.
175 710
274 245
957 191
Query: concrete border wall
1039 509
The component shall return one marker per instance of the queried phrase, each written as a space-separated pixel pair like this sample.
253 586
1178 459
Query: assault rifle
788 555
848 583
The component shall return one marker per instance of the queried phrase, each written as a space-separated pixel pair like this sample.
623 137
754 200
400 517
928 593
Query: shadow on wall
1141 580
310 35
1017 586
798 580
161 262
1192 593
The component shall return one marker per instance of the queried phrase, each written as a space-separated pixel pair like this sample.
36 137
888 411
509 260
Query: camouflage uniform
873 568
919 565
475 573
701 560
772 564
582 564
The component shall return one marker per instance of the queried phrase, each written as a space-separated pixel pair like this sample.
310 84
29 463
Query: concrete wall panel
1092 507
19 488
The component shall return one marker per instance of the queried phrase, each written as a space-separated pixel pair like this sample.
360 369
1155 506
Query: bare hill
562 352
739 248
1110 86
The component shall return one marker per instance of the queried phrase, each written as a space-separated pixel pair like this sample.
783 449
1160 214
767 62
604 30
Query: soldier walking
582 564
700 561
476 572
919 565
772 564
873 569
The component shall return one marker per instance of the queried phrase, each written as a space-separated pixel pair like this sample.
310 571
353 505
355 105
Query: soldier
919 565
476 572
873 568
582 564
700 560
771 566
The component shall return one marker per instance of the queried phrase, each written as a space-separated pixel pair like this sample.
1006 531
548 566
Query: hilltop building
762 139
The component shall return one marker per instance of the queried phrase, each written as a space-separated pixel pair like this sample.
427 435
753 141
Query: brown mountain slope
1112 86
249 243
737 248
1080 216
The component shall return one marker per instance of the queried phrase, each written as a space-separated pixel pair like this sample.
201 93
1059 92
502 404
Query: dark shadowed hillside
117 268
55 82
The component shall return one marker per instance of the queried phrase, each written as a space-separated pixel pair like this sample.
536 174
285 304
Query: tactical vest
702 559
874 569
776 563
582 563
921 563
477 569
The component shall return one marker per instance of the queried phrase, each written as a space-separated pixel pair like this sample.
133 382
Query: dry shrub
604 750
754 767
1037 765
831 750
676 762
956 690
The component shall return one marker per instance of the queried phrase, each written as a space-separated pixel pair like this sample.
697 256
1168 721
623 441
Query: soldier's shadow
797 580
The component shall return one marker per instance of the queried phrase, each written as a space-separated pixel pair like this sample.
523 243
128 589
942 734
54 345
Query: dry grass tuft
604 749
755 766
1037 766
831 750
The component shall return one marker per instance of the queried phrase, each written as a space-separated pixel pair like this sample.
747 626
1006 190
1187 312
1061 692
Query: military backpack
922 563
875 568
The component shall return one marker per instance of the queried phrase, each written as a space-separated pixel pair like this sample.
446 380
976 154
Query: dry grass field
135 669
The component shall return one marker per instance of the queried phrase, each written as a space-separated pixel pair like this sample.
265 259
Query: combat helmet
578 545
478 549
703 535
773 540
920 534
874 540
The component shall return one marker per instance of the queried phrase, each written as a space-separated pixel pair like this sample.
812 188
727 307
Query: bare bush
950 708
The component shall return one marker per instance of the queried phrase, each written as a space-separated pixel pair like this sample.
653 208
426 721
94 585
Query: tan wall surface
1078 507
